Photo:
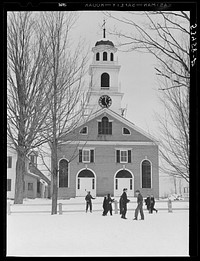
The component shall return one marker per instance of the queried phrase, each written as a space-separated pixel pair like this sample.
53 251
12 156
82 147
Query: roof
104 42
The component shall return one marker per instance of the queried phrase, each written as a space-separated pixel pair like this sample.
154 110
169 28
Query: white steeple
104 72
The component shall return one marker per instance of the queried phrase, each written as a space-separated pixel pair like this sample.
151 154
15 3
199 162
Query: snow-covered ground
91 234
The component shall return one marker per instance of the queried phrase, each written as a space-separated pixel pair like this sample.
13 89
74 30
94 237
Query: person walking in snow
152 204
123 201
147 202
88 199
139 206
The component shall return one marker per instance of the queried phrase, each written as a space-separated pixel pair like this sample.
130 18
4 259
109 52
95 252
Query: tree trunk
19 182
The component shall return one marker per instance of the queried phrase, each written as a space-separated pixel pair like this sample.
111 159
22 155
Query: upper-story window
104 126
84 130
123 156
105 80
104 56
126 131
86 155
9 162
111 57
97 56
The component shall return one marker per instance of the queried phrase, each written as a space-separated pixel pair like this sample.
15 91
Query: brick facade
105 166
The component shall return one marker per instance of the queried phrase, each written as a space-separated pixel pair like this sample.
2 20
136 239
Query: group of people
107 204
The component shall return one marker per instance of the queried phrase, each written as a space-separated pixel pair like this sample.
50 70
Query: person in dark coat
105 206
139 206
109 202
147 202
88 199
124 200
152 204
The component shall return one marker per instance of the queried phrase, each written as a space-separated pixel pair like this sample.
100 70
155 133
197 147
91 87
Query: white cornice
112 143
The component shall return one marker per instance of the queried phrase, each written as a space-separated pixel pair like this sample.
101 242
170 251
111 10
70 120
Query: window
8 184
111 56
38 187
185 190
104 56
30 186
63 173
78 184
126 131
9 162
123 156
86 155
97 56
105 80
116 183
146 174
131 184
84 130
92 183
105 127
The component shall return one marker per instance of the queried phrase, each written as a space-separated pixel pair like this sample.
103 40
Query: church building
107 152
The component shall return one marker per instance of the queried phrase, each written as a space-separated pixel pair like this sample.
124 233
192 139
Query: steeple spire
104 28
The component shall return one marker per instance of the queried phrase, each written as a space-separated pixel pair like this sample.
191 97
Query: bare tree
66 81
27 89
166 35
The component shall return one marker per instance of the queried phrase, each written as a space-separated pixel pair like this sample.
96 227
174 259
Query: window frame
82 129
118 155
9 162
105 81
28 187
123 161
98 56
142 185
105 56
126 133
61 178
9 185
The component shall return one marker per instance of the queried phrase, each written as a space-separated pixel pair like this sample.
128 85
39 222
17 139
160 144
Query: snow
91 234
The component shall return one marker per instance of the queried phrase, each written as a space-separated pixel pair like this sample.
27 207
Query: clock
105 101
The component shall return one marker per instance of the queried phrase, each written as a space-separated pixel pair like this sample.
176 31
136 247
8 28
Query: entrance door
123 179
85 182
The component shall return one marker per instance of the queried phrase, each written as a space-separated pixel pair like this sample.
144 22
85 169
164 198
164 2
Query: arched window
86 173
105 127
104 56
146 174
105 80
111 56
123 174
126 131
63 173
97 56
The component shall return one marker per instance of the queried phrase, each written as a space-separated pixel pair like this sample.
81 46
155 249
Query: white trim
133 178
68 171
141 172
113 143
95 179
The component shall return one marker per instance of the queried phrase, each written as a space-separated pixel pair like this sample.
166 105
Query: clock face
105 101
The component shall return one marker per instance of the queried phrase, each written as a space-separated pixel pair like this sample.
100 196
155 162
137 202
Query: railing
61 210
